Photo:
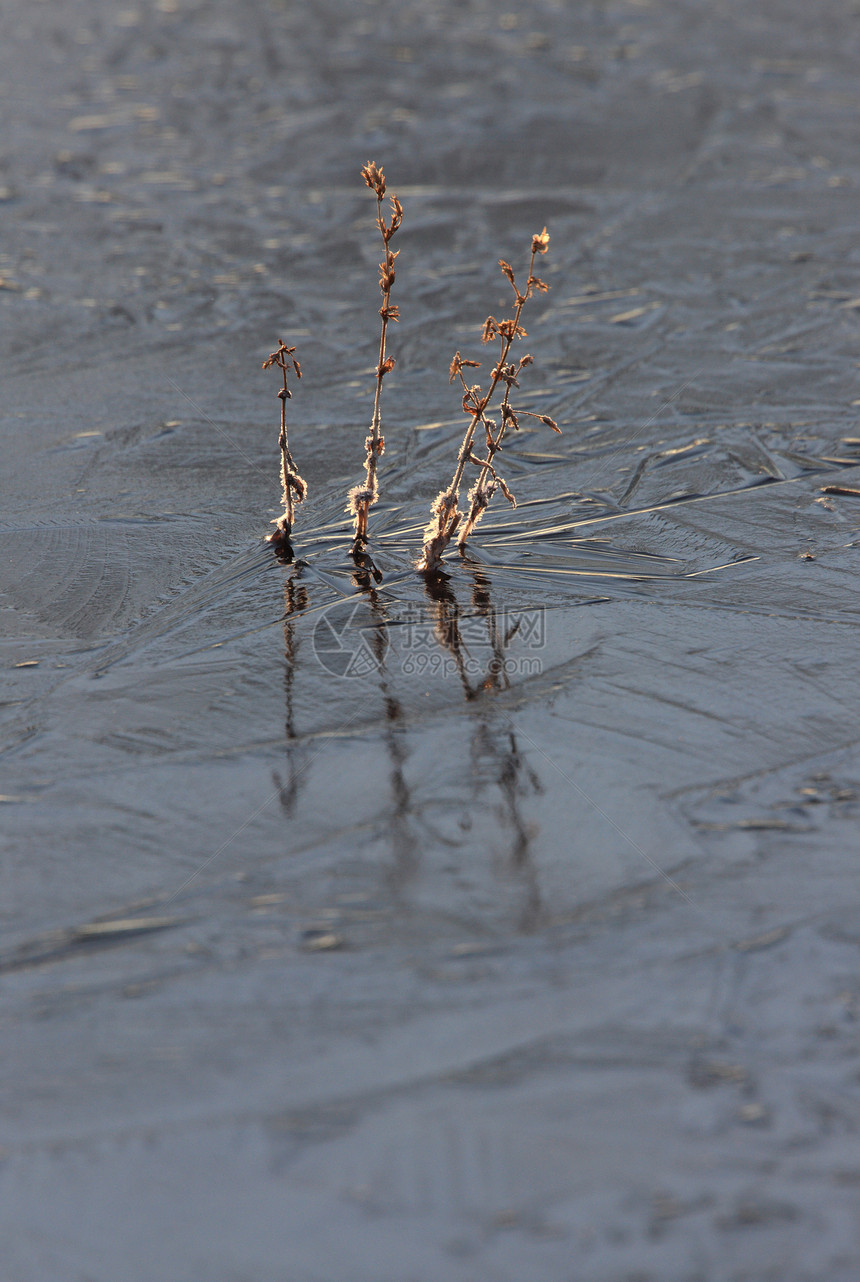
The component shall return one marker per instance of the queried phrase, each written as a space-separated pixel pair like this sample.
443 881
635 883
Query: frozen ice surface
498 928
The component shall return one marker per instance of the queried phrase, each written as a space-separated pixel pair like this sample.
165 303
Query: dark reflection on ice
295 602
492 741
397 648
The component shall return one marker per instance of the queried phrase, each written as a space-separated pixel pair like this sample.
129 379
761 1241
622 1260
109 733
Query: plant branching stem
287 464
372 460
448 526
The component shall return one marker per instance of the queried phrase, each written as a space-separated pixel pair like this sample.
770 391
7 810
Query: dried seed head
549 422
386 270
535 282
396 215
507 374
540 242
374 177
509 330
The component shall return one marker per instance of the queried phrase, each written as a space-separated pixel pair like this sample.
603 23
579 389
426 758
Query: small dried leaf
508 270
490 330
507 493
297 483
549 422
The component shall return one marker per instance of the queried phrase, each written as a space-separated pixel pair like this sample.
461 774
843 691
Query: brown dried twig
291 483
446 517
362 497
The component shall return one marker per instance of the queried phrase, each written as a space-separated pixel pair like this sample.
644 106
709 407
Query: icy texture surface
495 929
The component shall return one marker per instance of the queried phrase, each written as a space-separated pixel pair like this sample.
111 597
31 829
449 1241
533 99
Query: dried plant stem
447 518
372 447
480 495
446 513
362 497
287 466
291 483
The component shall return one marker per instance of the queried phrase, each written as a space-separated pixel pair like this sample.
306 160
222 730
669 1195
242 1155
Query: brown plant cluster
491 413
446 518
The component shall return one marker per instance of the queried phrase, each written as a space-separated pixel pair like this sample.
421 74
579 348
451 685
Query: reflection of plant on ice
448 633
404 848
295 601
496 760
491 742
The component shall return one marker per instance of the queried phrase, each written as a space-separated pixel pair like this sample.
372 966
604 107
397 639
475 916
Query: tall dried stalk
446 517
362 497
291 483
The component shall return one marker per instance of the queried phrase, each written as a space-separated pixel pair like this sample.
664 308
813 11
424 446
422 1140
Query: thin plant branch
446 517
361 497
293 486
